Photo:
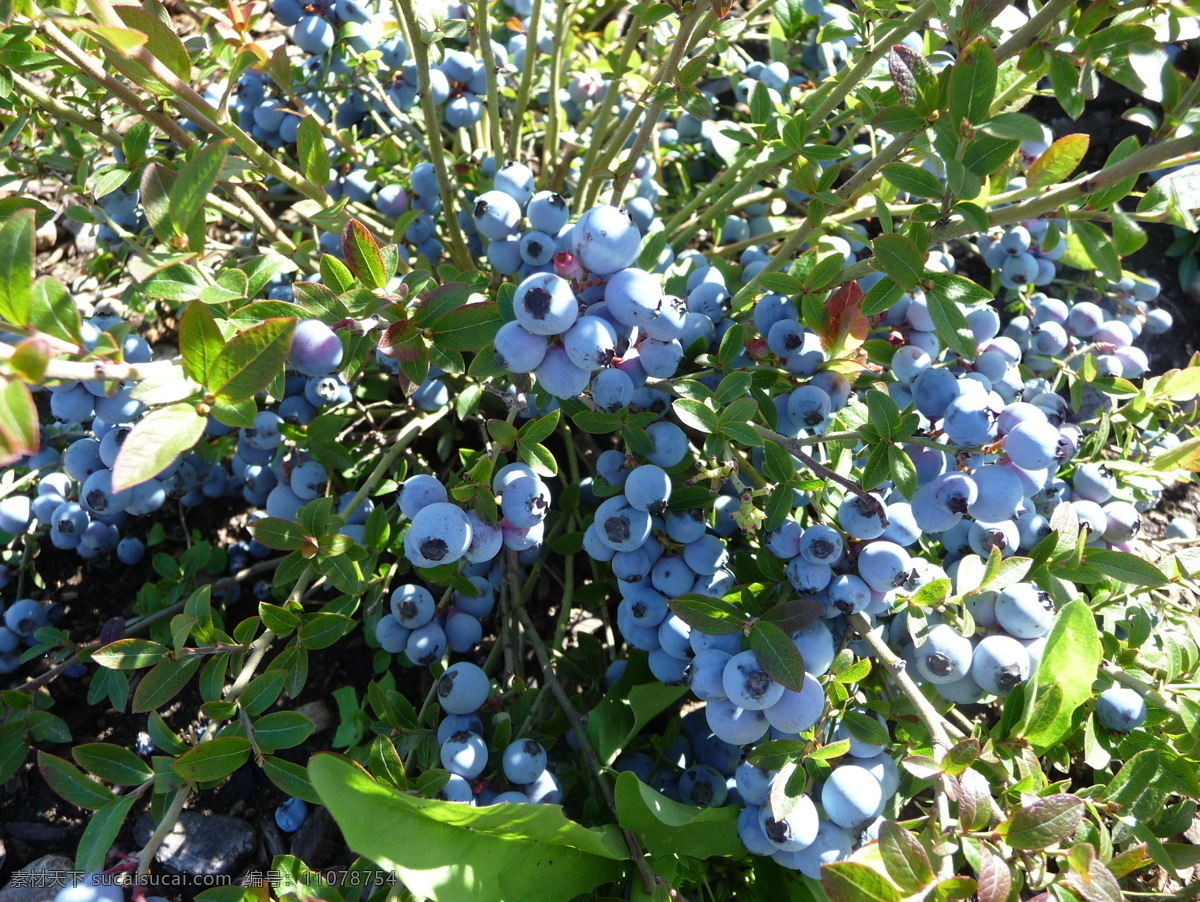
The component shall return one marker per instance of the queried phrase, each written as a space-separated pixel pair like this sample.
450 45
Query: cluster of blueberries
995 460
462 691
440 533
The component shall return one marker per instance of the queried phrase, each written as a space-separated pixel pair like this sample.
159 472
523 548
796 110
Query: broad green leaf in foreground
450 852
671 828
1069 661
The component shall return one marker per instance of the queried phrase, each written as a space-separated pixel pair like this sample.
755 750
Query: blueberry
290 815
999 664
523 761
1120 709
748 685
440 533
465 754
463 688
793 830
851 797
606 240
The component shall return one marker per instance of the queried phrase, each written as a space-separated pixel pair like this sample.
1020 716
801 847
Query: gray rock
201 844
39 881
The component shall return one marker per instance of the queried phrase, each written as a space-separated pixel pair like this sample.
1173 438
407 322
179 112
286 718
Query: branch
795 448
96 371
1142 688
928 714
649 878
1032 29
845 194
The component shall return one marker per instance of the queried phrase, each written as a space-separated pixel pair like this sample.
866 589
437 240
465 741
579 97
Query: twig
649 878
420 52
796 449
1142 688
928 714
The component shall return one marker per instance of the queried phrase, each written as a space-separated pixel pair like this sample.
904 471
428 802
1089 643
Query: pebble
201 844
39 881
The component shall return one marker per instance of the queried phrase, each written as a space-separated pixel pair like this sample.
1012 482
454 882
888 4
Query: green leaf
319 300
212 760
973 83
882 295
1176 196
1016 126
101 833
282 730
112 763
536 855
777 655
709 615
155 442
161 41
541 428
467 328
905 858
251 360
1106 197
949 321
695 415
18 421
190 192
1058 161
774 754
310 150
129 654
362 254
865 728
900 258
629 704
1064 81
1099 248
898 119
1184 456
669 828
538 457
164 681
16 268
200 341
851 881
1126 567
55 311
1043 822
282 535
1070 661
73 784
291 778
913 179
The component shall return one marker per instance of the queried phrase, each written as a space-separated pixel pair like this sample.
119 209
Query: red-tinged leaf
1058 161
846 327
1043 822
995 878
72 784
362 255
905 858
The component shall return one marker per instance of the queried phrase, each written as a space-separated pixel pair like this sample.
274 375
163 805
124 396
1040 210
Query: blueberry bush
703 450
